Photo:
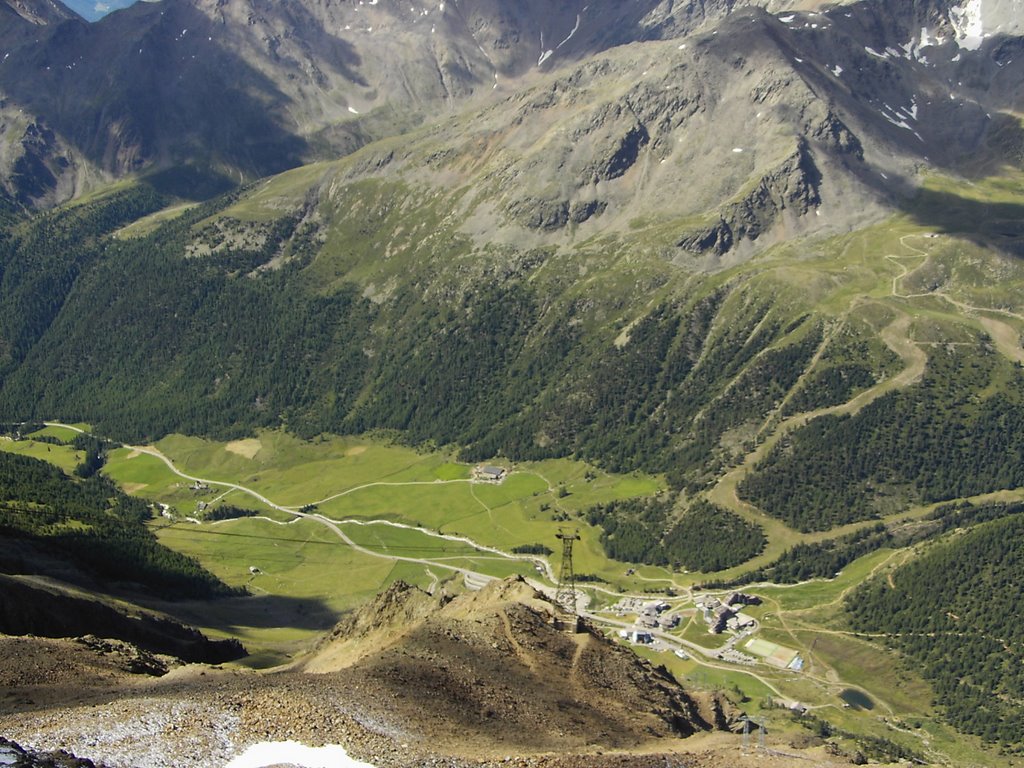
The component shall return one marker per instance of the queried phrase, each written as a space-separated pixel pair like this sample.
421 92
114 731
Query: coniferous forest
955 611
184 329
942 439
703 538
94 527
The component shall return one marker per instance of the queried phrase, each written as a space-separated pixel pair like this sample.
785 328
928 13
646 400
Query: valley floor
798 617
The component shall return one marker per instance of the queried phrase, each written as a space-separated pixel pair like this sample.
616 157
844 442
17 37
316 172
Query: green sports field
773 653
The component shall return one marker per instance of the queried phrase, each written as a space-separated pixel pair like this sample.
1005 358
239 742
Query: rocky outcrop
614 135
41 167
834 134
551 215
793 186
400 605
495 667
12 755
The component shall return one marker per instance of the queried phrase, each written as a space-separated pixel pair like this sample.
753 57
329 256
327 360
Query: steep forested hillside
184 344
703 538
958 433
216 324
956 611
189 329
40 262
93 526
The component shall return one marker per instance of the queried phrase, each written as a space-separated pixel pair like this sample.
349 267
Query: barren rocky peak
459 679
401 609
497 665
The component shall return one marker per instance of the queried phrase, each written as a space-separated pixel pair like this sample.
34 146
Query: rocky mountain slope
40 13
740 131
491 670
408 680
246 88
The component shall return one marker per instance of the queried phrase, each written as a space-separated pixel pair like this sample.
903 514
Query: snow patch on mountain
976 20
967 21
293 753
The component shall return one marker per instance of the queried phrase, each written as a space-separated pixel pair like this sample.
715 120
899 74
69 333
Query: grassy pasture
366 478
63 456
55 431
412 543
307 577
149 224
145 475
818 593
293 472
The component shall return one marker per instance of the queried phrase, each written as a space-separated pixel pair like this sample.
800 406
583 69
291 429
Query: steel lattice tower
759 723
566 595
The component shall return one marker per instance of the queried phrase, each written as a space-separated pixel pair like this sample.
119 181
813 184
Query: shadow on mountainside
44 609
233 615
997 225
60 594
190 182
161 83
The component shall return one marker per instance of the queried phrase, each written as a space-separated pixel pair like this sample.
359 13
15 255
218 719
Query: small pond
856 699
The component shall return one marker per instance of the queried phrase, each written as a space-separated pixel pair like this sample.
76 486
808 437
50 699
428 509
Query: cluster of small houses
721 615
652 616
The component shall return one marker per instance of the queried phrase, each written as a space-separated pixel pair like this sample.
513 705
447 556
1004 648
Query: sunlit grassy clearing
63 456
364 478
293 472
58 432
149 224
816 593
301 562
